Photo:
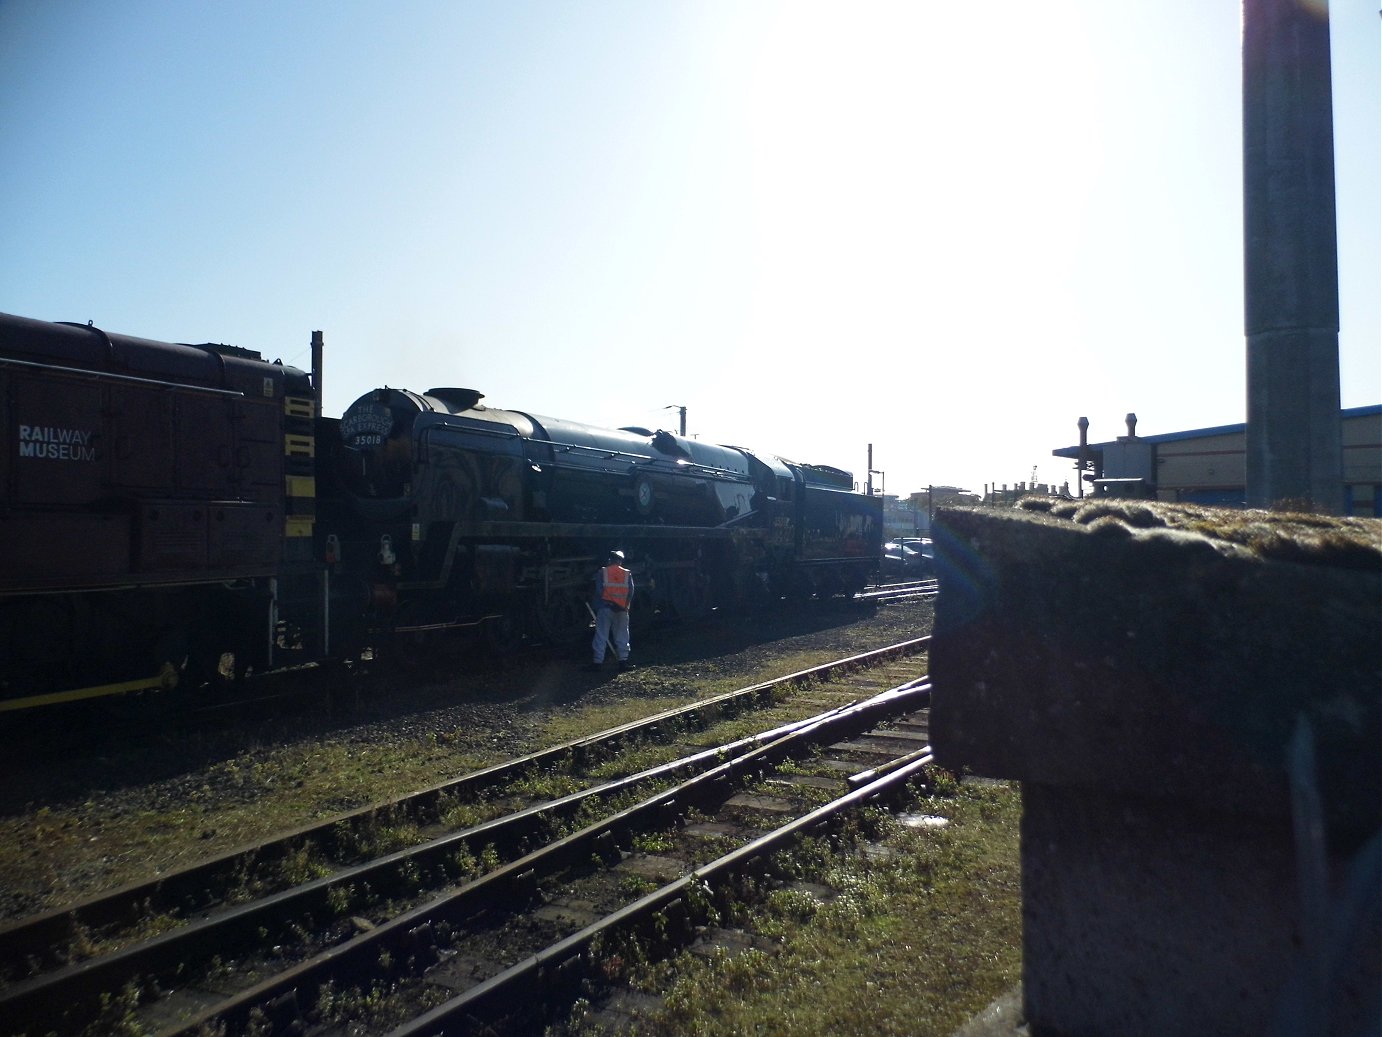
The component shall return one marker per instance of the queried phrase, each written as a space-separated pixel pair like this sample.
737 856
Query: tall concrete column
1291 275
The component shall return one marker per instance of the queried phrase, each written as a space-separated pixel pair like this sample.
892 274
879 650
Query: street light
681 410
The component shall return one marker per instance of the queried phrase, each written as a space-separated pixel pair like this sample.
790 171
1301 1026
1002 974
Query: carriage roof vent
457 399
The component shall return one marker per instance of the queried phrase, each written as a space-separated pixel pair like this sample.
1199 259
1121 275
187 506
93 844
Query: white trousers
611 624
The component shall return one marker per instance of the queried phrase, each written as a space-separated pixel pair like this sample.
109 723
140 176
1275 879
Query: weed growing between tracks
922 931
116 1018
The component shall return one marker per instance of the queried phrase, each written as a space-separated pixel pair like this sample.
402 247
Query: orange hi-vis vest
616 590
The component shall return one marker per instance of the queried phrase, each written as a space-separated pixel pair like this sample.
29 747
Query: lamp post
1083 460
681 410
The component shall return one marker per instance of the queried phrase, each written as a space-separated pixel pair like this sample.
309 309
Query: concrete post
1291 278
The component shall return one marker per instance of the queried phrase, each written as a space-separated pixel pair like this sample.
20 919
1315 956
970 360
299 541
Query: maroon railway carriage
154 496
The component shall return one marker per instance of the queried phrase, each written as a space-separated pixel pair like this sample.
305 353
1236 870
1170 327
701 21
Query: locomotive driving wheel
563 618
504 633
690 597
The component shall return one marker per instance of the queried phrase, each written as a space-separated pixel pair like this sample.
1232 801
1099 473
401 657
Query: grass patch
576 723
233 803
915 941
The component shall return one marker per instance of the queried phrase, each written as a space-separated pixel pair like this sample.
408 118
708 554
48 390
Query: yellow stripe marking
165 680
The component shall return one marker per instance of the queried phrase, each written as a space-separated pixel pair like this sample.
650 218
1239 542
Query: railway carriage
152 494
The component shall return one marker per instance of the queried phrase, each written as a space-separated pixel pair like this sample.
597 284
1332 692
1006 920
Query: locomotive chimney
1132 426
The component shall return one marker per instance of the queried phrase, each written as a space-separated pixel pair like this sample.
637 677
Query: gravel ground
120 792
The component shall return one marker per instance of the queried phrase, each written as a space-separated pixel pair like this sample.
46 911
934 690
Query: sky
945 230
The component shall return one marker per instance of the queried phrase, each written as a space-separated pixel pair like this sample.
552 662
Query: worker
613 599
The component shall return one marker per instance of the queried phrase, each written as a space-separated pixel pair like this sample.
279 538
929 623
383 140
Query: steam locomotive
179 513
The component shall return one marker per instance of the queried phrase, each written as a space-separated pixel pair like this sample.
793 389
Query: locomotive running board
542 530
609 535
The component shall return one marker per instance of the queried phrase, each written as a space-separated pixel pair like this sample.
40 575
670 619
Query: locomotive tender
175 512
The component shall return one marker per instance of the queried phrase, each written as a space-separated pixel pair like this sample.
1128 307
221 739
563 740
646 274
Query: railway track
777 808
901 591
250 938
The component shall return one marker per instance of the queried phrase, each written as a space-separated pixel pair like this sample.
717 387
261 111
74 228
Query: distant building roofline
1073 452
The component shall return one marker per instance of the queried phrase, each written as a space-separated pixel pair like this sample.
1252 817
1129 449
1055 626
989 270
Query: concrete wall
1143 669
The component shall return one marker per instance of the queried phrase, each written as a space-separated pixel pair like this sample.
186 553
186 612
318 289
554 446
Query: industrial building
1207 465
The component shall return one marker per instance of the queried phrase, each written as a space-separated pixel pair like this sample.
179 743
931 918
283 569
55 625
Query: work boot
624 664
594 667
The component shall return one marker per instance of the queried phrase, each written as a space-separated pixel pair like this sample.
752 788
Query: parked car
911 556
924 562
